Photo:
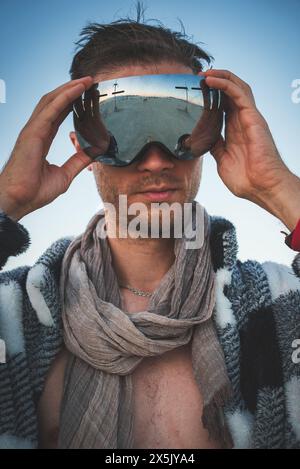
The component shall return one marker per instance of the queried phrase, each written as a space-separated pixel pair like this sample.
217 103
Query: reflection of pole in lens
194 88
115 94
186 95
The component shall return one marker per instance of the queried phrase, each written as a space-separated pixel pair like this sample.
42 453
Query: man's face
156 168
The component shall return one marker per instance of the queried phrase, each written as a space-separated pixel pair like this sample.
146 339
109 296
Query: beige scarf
107 344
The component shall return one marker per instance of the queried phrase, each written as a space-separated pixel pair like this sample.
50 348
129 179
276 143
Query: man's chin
140 217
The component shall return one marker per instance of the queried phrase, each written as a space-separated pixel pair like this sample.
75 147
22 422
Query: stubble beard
110 194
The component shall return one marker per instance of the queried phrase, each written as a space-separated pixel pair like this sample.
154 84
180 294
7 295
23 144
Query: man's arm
30 323
248 161
28 181
32 359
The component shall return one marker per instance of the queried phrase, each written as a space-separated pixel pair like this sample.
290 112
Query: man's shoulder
31 336
257 314
45 267
224 253
247 286
50 260
29 295
42 282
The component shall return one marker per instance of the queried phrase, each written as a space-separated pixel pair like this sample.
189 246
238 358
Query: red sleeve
293 239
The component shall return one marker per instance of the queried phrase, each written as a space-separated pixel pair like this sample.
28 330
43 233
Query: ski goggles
117 120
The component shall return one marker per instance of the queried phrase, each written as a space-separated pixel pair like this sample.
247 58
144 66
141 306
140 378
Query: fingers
217 151
88 121
235 88
228 76
46 99
51 113
74 165
238 95
87 107
79 107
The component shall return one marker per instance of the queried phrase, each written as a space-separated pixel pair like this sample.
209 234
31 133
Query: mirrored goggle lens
117 120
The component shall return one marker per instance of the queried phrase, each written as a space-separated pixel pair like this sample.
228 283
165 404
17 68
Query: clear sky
257 40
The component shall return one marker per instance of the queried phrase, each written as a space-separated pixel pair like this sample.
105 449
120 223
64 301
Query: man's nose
155 159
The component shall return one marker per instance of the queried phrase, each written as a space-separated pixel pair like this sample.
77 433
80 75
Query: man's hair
105 47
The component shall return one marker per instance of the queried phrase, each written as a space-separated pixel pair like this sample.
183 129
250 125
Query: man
112 384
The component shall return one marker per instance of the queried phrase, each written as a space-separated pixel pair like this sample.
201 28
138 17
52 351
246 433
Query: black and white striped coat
257 317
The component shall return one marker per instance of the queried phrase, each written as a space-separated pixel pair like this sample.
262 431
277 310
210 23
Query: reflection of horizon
145 98
140 105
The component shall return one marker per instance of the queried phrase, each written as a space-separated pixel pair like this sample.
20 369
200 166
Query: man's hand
28 181
248 161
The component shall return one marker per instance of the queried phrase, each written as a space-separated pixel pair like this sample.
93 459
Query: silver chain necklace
136 291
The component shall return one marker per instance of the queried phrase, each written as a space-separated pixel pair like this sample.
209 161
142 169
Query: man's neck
142 262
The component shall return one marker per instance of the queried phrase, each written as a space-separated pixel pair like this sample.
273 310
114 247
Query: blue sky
257 40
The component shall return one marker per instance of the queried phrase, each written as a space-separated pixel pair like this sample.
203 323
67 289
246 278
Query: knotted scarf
106 343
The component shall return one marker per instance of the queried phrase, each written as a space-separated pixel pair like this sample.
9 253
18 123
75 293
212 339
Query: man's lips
158 194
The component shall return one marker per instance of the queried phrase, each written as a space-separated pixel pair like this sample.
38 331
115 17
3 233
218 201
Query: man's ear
77 146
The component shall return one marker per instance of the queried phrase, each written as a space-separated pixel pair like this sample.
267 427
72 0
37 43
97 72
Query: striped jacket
257 318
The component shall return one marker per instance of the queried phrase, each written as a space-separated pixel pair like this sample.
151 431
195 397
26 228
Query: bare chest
167 403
